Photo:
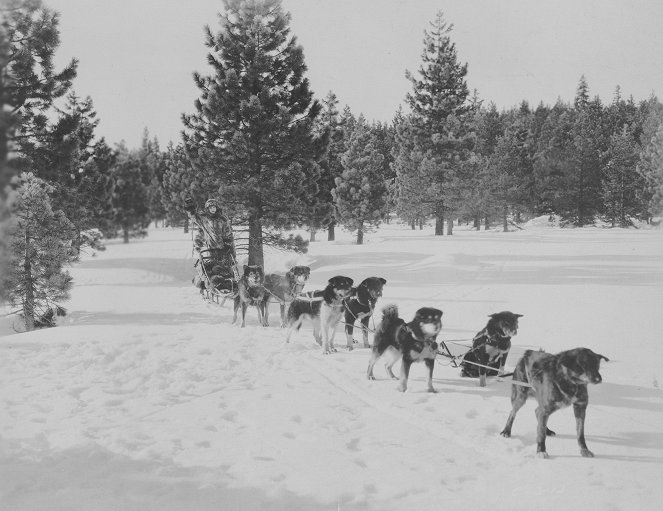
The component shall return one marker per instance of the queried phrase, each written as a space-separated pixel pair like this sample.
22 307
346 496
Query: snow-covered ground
147 398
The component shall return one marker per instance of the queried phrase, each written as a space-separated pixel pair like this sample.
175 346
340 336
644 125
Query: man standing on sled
214 243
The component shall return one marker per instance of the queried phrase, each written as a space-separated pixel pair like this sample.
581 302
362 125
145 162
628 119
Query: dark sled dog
250 291
360 307
324 309
556 381
490 347
411 342
284 289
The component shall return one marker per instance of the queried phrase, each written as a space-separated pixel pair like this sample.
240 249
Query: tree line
278 158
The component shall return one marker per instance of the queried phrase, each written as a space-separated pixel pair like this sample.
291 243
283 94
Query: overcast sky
137 56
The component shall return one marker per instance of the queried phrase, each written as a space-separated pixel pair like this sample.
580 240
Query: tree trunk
125 234
312 233
450 226
413 225
505 220
256 256
360 234
439 224
421 224
331 235
186 225
486 223
29 299
477 222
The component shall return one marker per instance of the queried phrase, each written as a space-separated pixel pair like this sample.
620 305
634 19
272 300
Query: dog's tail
389 314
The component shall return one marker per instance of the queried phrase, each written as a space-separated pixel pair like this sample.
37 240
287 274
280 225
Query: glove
189 204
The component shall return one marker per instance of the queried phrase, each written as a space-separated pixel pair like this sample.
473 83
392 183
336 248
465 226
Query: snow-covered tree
360 193
39 245
254 120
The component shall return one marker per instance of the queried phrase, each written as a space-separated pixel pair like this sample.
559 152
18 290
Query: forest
280 157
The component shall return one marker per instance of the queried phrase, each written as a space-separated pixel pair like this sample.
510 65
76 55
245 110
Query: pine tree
78 167
29 83
255 117
39 241
650 167
622 182
328 124
411 187
130 204
441 115
360 193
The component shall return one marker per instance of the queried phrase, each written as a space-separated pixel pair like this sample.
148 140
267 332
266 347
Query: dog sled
217 280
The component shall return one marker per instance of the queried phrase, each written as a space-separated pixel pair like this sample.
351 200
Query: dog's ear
570 362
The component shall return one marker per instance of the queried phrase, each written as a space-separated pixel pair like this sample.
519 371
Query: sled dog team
556 381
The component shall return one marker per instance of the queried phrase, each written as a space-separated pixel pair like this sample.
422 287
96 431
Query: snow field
147 397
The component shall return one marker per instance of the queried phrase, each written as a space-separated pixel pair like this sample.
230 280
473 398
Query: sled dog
284 289
556 381
250 292
324 308
410 342
490 347
360 307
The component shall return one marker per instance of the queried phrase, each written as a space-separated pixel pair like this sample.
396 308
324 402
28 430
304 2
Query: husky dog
324 309
411 342
284 289
490 347
361 306
250 291
556 381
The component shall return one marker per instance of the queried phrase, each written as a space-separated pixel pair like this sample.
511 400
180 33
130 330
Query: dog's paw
586 453
370 377
550 432
400 388
355 341
505 433
543 455
432 390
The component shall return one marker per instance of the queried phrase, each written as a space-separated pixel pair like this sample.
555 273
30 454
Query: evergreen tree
360 193
78 167
512 168
411 189
328 124
650 167
39 241
622 182
130 198
255 117
440 113
29 83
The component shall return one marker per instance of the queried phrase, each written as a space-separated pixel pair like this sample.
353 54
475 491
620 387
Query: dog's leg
542 416
482 377
371 363
430 364
244 307
282 306
265 309
364 324
332 337
579 412
349 329
236 309
316 331
261 313
295 324
395 356
518 398
405 373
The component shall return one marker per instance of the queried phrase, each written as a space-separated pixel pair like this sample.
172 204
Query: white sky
137 56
